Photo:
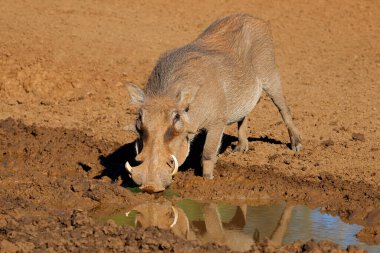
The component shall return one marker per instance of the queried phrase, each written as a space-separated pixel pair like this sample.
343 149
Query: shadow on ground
114 163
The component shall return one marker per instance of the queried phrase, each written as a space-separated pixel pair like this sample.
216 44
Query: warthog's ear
136 94
186 96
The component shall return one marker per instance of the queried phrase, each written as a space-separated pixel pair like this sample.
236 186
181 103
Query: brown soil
63 111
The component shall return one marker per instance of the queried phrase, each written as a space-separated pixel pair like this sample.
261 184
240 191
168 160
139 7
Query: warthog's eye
177 123
138 125
140 114
139 121
141 130
176 118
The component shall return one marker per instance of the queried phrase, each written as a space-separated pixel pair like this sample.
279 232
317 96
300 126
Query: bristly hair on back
170 68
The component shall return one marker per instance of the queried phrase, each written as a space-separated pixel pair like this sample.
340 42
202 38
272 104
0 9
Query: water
238 226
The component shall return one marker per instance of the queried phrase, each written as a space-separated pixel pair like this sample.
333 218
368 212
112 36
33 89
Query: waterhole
239 226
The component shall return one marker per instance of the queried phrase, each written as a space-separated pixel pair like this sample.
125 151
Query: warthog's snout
156 180
151 188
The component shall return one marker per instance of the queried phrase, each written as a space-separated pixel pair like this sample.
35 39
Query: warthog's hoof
208 169
241 147
208 176
297 147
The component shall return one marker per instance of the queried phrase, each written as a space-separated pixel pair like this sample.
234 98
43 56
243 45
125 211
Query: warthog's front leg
211 148
242 145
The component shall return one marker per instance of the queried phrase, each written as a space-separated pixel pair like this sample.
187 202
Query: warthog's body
214 81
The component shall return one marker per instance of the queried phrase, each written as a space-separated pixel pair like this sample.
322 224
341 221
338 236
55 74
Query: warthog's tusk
137 148
175 165
175 217
128 213
128 167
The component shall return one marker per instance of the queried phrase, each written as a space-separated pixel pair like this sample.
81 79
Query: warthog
212 82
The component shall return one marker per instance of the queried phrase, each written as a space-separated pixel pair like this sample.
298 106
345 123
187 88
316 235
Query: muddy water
240 226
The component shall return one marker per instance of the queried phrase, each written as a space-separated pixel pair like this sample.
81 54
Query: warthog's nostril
174 164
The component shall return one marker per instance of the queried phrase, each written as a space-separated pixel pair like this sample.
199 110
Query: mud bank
51 177
79 233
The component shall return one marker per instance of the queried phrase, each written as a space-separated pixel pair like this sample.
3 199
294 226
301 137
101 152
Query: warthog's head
162 215
164 137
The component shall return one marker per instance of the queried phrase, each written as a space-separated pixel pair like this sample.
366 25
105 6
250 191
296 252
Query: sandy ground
64 107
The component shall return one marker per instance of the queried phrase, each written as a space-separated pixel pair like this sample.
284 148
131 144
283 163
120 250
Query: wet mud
64 112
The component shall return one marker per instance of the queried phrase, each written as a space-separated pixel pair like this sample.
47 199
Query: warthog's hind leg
274 91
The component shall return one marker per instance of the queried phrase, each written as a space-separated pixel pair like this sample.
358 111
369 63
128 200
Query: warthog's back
245 44
226 61
243 36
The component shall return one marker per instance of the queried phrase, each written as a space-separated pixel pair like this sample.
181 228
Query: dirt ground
64 108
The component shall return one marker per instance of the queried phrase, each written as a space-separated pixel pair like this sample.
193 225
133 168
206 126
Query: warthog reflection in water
211 227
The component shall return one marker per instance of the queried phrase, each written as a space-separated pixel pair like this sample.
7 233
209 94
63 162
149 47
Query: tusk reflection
175 165
175 217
